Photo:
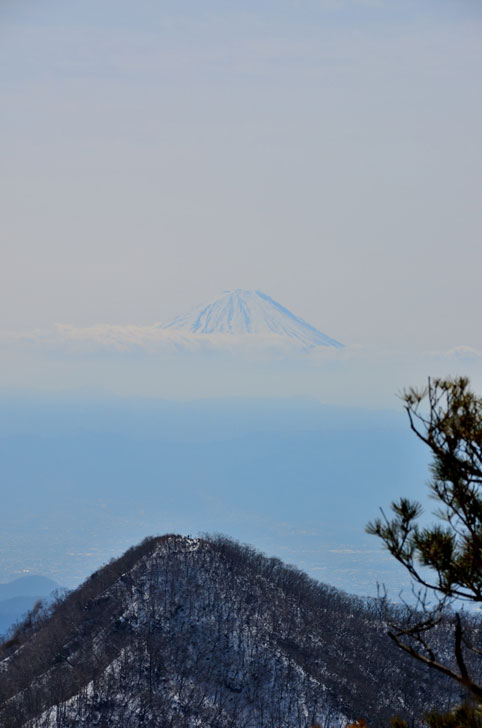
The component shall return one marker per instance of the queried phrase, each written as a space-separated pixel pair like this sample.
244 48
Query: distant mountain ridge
238 321
206 633
28 585
241 312
17 597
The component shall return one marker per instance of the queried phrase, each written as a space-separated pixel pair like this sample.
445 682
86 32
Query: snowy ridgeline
197 632
241 312
237 320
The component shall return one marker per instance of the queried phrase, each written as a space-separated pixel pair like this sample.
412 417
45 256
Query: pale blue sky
156 153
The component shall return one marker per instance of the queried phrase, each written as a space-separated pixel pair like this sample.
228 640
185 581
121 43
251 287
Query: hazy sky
329 153
157 152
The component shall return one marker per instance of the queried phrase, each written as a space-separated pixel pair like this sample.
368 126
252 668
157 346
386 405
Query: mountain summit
242 312
205 633
239 322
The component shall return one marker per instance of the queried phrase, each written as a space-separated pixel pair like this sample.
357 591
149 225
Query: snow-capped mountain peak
240 312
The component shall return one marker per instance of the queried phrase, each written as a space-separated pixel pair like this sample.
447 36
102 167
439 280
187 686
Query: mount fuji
242 313
239 322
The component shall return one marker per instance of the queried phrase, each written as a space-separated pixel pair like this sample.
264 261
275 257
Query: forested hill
205 632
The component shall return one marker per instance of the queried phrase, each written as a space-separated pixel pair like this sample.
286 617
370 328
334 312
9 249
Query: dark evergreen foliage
444 559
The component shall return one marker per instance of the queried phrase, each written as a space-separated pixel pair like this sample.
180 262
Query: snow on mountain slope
241 312
206 633
239 322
